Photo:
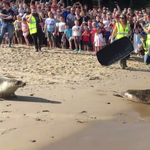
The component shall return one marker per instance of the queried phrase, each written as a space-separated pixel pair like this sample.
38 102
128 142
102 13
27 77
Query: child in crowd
86 37
50 26
5 38
77 35
68 34
103 30
136 38
18 29
99 40
63 41
25 30
61 28
93 31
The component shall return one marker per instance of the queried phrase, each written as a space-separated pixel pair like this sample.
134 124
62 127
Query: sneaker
39 48
79 50
76 50
148 67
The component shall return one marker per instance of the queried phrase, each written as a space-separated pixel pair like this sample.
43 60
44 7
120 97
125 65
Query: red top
94 30
86 37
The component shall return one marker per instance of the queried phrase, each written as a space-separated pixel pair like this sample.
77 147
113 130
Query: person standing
71 18
35 27
50 27
7 25
147 30
122 29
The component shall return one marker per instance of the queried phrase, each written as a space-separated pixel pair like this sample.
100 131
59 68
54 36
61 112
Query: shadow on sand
135 58
32 99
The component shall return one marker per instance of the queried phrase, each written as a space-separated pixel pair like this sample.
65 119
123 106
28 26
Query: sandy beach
70 95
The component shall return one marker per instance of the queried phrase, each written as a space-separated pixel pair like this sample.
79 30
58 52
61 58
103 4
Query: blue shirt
50 22
140 42
65 14
68 32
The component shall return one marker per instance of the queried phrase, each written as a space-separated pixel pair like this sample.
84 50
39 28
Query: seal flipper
1 99
13 95
117 95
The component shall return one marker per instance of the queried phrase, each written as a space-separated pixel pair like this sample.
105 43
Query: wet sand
66 93
108 135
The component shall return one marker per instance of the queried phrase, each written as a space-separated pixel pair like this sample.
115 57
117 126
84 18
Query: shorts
63 44
26 33
18 33
51 36
77 39
86 43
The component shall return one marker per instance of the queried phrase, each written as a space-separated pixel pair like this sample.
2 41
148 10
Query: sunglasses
121 18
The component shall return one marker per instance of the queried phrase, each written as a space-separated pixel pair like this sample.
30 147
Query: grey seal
140 96
8 87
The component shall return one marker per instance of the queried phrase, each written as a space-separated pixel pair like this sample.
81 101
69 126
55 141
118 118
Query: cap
143 33
5 1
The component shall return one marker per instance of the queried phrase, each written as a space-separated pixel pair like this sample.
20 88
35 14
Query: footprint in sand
6 131
33 141
45 111
38 119
6 111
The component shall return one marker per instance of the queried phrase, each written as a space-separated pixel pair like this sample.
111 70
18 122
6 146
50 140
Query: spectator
50 27
86 37
76 33
7 26
35 27
25 30
18 29
71 18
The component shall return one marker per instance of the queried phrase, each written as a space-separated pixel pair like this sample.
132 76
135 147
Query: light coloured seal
8 87
140 96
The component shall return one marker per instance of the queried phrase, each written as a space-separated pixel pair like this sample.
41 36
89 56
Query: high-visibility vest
148 38
121 32
32 25
145 46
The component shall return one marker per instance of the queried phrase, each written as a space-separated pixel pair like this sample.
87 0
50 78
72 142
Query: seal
8 87
140 96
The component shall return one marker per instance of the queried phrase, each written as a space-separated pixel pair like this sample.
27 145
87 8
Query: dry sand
66 92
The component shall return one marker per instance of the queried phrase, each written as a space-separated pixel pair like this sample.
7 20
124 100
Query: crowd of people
53 24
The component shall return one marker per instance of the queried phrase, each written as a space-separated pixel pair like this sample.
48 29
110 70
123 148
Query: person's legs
40 38
123 63
34 36
70 43
145 58
79 43
10 29
75 42
3 31
84 47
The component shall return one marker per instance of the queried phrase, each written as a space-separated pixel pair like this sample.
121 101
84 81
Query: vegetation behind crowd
134 4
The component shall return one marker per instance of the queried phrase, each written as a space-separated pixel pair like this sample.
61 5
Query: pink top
25 27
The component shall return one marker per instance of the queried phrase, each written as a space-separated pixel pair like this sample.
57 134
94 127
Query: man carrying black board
122 29
7 26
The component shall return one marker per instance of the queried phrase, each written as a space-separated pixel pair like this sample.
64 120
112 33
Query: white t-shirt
106 22
61 26
76 31
136 39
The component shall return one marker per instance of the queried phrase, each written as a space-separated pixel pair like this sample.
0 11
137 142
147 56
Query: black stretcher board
115 51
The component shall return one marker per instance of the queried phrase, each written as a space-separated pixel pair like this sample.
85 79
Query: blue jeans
146 59
7 27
